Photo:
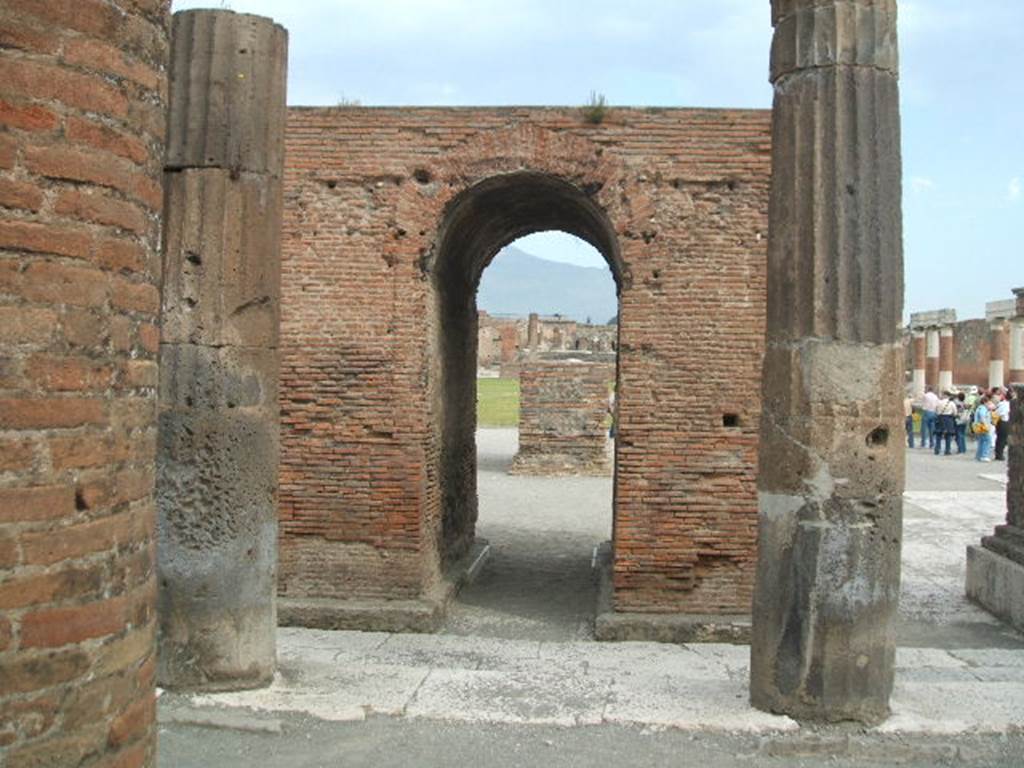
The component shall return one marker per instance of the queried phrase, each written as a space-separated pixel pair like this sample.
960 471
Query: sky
961 80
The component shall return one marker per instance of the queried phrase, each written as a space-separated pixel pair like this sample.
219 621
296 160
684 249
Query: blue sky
962 84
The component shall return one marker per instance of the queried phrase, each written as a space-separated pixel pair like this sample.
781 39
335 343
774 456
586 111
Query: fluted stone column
997 354
995 570
945 358
919 357
933 346
831 455
218 446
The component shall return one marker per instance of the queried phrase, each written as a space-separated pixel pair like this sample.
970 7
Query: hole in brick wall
80 502
193 258
730 420
422 176
877 437
332 184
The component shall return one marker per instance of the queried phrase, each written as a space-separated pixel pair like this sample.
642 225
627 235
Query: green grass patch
497 402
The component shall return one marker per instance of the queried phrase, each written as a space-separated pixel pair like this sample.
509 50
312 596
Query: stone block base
424 614
661 627
996 583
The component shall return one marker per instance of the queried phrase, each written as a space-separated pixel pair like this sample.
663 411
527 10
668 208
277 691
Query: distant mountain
517 283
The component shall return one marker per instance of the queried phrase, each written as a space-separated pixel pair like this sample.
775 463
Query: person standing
982 425
945 422
963 419
1002 422
908 413
928 405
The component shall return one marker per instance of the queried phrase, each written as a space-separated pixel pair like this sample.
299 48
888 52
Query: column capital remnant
810 34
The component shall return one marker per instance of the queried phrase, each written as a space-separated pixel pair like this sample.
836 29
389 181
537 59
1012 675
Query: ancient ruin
565 418
217 454
942 352
505 343
735 237
390 217
830 483
995 569
81 157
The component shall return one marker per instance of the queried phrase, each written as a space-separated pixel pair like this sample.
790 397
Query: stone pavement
516 654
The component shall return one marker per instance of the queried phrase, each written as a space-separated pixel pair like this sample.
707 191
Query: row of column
831 479
933 355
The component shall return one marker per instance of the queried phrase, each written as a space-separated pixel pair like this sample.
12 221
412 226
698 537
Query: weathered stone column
831 455
933 347
945 358
995 570
533 332
919 357
997 354
218 446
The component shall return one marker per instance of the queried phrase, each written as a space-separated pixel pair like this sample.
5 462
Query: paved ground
515 679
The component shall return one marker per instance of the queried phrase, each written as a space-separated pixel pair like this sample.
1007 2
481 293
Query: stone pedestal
995 570
563 418
831 456
217 459
945 358
919 361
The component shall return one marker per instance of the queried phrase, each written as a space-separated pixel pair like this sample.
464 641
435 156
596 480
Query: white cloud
1014 190
921 184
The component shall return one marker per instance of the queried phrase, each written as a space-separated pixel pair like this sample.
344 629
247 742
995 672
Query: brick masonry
563 418
82 95
391 215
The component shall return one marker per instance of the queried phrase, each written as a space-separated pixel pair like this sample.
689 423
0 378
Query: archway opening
478 226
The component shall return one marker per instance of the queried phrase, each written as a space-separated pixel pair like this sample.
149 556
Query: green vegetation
497 402
596 109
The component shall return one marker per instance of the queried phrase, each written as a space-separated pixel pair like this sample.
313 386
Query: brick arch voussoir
575 159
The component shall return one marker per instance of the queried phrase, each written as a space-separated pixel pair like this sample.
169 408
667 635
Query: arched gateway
391 215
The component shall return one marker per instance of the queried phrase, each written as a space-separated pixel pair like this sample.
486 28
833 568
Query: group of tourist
950 417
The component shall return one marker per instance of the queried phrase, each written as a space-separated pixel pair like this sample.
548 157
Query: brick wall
81 142
971 348
563 416
379 317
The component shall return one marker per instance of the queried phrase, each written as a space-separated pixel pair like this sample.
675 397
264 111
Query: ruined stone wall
971 352
563 418
364 491
82 95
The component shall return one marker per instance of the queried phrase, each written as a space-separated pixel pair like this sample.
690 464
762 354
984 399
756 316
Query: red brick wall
971 349
683 196
563 416
81 143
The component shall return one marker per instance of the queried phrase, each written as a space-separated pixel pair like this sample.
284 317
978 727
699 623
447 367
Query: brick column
997 354
945 358
218 453
933 345
81 144
995 570
831 454
919 357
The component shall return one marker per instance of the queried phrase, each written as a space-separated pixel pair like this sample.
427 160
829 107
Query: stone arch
474 227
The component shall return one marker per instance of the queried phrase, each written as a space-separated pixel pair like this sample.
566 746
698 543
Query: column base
996 583
424 614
